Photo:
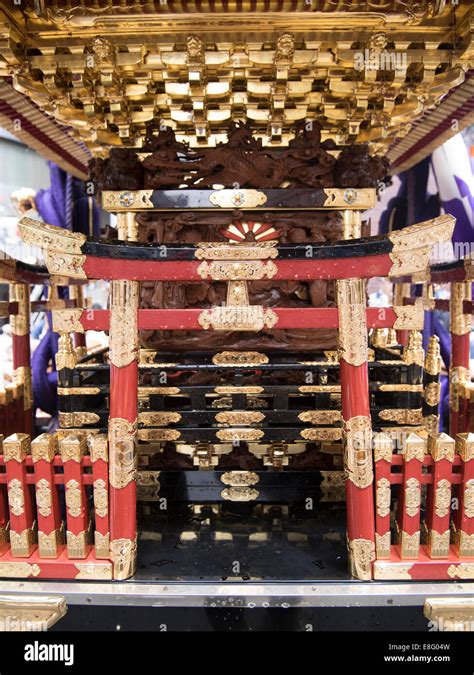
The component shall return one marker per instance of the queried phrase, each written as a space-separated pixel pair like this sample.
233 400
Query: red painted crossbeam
187 270
288 317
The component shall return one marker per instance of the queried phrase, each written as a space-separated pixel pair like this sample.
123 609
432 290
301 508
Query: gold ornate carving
465 446
239 318
441 446
239 494
383 447
390 571
127 200
16 498
431 393
349 198
124 557
122 452
98 447
236 251
353 338
158 419
433 356
76 544
73 498
93 571
123 341
72 448
412 246
230 199
402 416
44 447
241 359
383 497
320 434
457 377
408 317
67 320
66 357
361 556
237 270
63 263
78 391
414 447
44 500
438 543
235 434
382 544
102 544
461 571
320 416
20 322
77 419
48 544
231 389
162 391
237 417
16 446
468 498
19 570
412 496
358 450
320 388
50 237
465 544
413 352
148 478
431 424
240 478
158 434
409 545
100 498
22 378
460 323
22 542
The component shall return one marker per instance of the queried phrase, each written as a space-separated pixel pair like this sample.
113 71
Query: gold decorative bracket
30 613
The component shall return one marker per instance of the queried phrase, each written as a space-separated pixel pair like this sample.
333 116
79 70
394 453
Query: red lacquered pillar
73 449
383 451
123 355
413 451
464 516
351 301
438 501
98 449
48 511
22 535
20 328
459 371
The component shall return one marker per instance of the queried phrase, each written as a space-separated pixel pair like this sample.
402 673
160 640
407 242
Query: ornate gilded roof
365 69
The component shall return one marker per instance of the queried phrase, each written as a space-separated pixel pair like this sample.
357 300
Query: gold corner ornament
361 557
62 249
358 451
67 321
93 571
123 335
30 613
408 317
123 553
261 250
16 446
412 246
237 270
461 571
238 318
45 447
127 200
122 452
351 305
240 199
72 448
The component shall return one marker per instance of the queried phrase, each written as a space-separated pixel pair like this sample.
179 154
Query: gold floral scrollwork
408 318
431 393
240 478
468 498
123 345
402 415
65 264
16 498
321 434
237 270
77 419
239 494
236 251
382 544
240 417
392 571
461 571
43 497
49 237
19 570
351 303
412 245
412 496
123 553
320 416
383 497
361 556
239 318
93 571
410 544
439 543
122 452
442 498
358 451
229 199
235 434
159 418
73 498
100 497
242 359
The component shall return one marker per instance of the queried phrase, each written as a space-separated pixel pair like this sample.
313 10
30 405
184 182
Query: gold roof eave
108 71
